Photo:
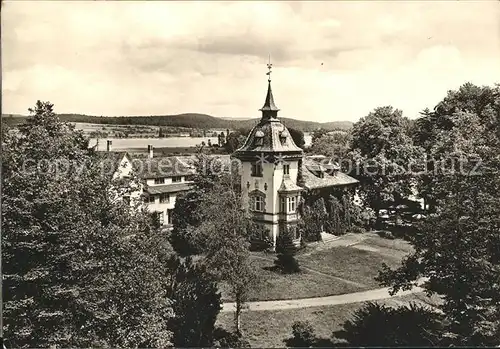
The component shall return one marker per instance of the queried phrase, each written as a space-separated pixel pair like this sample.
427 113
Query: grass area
305 284
349 263
269 328
357 265
395 244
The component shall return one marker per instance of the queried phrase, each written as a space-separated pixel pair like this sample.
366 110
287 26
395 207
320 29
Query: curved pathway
356 297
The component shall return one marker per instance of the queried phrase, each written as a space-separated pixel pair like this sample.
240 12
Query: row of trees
457 248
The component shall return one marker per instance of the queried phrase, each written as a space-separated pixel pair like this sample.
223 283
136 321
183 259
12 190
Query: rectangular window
257 169
164 199
169 216
283 205
286 169
258 203
295 232
151 199
176 179
159 181
292 204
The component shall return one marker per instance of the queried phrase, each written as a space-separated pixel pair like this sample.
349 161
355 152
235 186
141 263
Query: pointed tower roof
269 103
269 136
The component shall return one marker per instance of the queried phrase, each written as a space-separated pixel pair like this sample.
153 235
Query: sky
332 60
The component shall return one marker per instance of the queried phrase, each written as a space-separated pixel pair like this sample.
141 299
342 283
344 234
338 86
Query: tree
224 227
313 218
383 326
383 158
463 117
318 134
75 259
185 219
457 247
297 136
234 141
334 145
196 304
286 250
186 237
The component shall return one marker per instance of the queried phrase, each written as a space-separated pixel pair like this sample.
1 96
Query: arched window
257 201
259 138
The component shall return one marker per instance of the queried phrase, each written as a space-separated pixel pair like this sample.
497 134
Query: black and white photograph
238 174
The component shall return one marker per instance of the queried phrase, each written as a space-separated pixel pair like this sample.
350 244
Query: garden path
356 297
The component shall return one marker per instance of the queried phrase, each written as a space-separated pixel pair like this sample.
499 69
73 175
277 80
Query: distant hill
190 120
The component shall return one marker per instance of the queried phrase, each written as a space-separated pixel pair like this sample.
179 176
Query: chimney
150 151
108 147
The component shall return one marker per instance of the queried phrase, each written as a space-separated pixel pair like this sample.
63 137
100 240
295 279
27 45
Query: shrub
379 325
226 339
357 229
302 335
259 237
286 250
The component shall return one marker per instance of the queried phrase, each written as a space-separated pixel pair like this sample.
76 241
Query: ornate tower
270 166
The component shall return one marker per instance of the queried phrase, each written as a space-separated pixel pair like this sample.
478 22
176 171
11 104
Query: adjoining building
162 180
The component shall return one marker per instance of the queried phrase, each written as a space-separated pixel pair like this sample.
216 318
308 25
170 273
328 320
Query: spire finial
269 67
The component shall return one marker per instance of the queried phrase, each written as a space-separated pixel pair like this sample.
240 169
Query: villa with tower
276 176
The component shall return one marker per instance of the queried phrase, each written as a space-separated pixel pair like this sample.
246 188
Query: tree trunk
237 316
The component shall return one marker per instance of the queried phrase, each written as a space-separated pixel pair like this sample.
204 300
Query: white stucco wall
272 175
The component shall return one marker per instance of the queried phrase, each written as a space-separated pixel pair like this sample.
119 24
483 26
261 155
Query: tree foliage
302 335
286 249
377 325
334 145
457 247
196 303
75 261
297 136
384 158
313 218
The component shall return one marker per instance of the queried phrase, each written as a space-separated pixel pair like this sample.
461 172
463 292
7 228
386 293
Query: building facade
270 168
275 174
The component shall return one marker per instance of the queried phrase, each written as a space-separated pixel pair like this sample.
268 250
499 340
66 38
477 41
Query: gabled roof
331 175
168 188
288 186
110 160
160 167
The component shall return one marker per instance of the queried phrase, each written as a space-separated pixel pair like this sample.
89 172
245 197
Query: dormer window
283 136
259 138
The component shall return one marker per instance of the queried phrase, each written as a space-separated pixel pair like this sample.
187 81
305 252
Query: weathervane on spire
269 66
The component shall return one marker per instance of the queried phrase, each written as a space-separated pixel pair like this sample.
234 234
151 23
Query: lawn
305 284
269 328
338 270
349 263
